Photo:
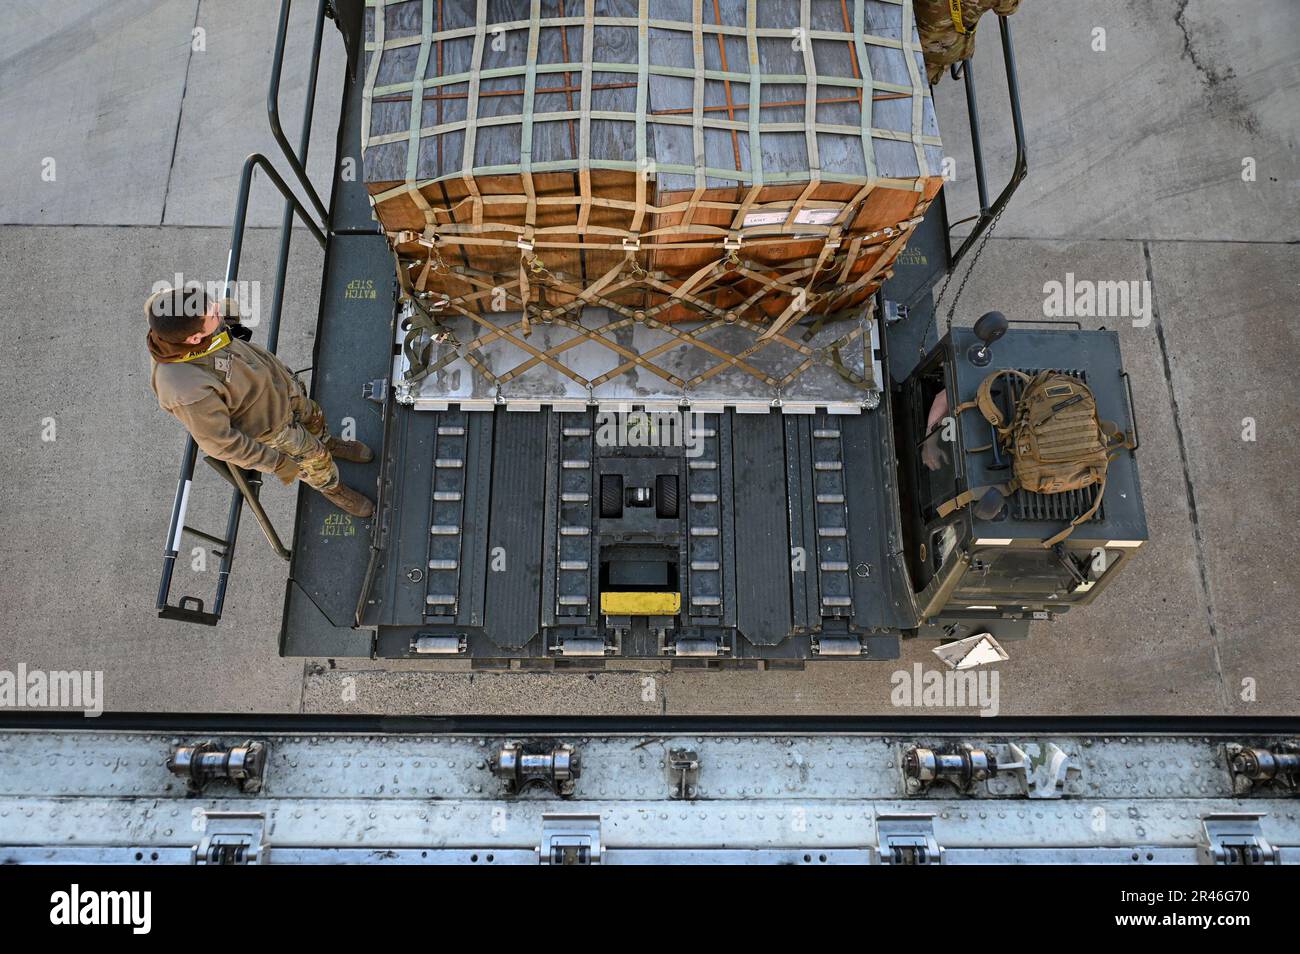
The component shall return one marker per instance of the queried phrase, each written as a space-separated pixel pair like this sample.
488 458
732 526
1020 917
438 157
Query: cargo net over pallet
725 180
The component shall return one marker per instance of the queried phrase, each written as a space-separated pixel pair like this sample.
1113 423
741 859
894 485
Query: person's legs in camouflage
316 468
313 418
305 439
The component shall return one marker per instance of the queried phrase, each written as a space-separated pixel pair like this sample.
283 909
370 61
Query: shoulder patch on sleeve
182 384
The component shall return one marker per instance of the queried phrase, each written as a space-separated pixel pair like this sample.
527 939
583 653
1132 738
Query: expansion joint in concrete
1188 484
180 111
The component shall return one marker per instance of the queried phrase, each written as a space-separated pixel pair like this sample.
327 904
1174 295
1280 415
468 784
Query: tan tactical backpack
1055 439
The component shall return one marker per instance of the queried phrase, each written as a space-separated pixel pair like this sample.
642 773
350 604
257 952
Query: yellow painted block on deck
640 604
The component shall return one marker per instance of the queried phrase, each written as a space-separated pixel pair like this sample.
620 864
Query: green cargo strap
843 370
419 366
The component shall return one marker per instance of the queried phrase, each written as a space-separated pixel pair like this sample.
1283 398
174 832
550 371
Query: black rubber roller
666 505
611 495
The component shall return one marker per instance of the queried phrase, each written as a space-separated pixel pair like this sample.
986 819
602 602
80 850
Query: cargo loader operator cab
983 566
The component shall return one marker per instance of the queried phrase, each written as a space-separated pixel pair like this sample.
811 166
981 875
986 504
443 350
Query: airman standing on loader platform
239 401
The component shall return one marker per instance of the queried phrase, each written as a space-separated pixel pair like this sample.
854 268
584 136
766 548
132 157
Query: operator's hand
227 309
932 453
287 469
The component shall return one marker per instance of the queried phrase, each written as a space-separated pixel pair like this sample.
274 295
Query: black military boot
349 500
354 451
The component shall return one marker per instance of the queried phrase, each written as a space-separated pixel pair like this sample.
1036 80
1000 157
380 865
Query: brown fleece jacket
229 413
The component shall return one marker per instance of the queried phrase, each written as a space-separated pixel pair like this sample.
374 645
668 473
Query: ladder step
706 600
704 498
837 601
449 463
444 564
705 565
828 465
573 601
830 498
575 531
703 465
707 432
834 567
826 433
576 464
444 530
577 432
446 495
442 600
449 430
575 497
704 531
832 532
574 565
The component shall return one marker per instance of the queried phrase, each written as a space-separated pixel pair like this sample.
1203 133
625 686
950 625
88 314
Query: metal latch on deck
570 840
1235 839
684 773
556 767
204 762
1264 768
1031 769
231 838
907 840
963 767
895 311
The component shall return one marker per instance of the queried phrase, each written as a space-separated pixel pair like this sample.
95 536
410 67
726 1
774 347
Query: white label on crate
805 217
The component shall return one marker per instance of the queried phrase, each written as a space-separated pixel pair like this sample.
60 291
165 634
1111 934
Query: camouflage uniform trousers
304 439
941 41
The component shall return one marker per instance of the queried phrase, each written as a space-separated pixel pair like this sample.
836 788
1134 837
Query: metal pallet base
609 363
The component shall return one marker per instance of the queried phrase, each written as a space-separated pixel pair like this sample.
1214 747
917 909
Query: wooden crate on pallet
665 159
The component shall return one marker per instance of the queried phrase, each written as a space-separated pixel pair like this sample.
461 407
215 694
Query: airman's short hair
175 314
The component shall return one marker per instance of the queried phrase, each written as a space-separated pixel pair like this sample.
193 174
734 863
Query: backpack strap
1116 440
1057 538
965 498
984 397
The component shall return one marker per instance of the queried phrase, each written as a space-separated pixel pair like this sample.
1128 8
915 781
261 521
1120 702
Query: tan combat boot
349 500
354 451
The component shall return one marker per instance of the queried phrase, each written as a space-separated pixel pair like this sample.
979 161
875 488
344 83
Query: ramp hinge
570 840
231 838
1235 839
907 840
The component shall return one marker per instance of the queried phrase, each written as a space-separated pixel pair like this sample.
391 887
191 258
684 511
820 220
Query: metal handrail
1021 167
295 162
249 482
